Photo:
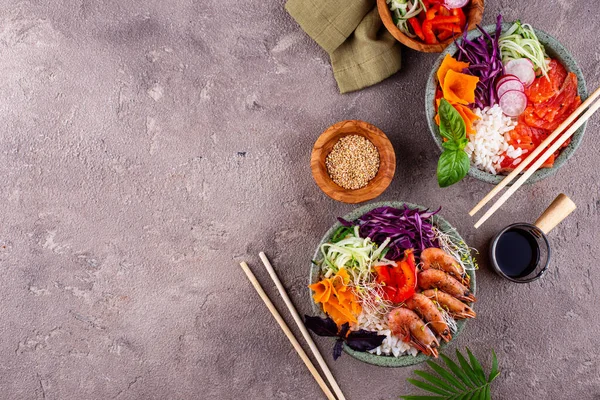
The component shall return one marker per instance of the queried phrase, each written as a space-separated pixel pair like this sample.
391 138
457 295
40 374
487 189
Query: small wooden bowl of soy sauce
521 252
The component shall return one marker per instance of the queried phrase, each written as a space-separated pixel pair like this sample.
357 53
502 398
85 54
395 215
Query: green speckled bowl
384 361
554 50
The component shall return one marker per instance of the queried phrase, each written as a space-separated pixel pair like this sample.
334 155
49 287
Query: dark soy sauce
517 252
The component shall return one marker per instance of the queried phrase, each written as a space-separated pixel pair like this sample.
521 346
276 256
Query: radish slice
506 77
522 68
513 103
509 84
455 3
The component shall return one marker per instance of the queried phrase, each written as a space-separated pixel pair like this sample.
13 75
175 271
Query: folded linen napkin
362 51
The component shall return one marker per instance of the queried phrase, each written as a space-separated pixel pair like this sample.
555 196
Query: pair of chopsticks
537 151
288 332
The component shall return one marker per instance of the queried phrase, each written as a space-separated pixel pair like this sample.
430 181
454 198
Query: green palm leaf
428 387
461 396
495 372
442 384
477 368
460 374
446 375
468 370
466 380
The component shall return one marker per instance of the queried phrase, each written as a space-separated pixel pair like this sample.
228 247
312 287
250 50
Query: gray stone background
149 146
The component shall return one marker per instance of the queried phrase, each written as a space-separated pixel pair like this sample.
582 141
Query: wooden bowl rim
386 17
377 185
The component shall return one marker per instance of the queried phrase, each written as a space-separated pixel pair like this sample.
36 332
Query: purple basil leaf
337 349
344 330
321 326
362 340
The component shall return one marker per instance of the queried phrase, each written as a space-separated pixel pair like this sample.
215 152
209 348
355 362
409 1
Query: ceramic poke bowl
555 50
385 360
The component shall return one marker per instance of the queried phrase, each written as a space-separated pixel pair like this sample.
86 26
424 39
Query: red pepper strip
444 35
416 26
438 95
461 16
400 280
440 19
431 12
409 255
448 27
390 293
406 277
383 274
428 32
444 11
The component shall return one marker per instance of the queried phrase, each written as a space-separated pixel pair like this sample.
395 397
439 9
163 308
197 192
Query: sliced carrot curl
450 64
337 298
459 88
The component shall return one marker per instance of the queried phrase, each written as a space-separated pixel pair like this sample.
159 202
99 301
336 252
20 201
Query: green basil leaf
452 167
451 145
452 126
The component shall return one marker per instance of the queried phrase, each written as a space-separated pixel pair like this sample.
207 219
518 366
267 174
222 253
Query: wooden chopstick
538 150
559 142
287 331
301 326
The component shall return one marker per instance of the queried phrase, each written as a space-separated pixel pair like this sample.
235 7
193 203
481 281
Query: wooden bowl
474 13
323 146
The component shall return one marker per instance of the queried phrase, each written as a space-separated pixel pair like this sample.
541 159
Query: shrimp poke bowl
393 283
495 95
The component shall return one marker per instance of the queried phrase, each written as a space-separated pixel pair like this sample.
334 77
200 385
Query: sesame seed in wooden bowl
361 175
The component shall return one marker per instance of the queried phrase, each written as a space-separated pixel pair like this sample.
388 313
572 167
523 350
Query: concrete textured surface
149 146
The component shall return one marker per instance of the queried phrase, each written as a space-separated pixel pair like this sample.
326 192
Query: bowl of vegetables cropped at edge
494 95
392 283
429 25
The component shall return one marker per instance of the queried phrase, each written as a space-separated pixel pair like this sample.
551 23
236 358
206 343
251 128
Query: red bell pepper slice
431 12
428 32
400 280
462 19
444 35
390 292
455 28
416 26
383 274
440 19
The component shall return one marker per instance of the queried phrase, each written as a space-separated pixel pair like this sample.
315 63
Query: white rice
487 146
392 345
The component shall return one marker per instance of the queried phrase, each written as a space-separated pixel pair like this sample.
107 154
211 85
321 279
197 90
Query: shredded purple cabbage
407 229
485 59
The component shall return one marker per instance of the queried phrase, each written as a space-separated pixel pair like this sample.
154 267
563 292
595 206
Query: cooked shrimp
434 278
429 312
433 257
407 325
456 308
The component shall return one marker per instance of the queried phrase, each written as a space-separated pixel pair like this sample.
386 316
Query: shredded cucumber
403 10
353 253
520 41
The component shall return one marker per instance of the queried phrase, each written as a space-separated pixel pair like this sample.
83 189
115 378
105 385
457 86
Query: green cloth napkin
362 51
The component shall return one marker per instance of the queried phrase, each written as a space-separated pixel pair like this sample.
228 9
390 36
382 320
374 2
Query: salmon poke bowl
392 283
494 95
